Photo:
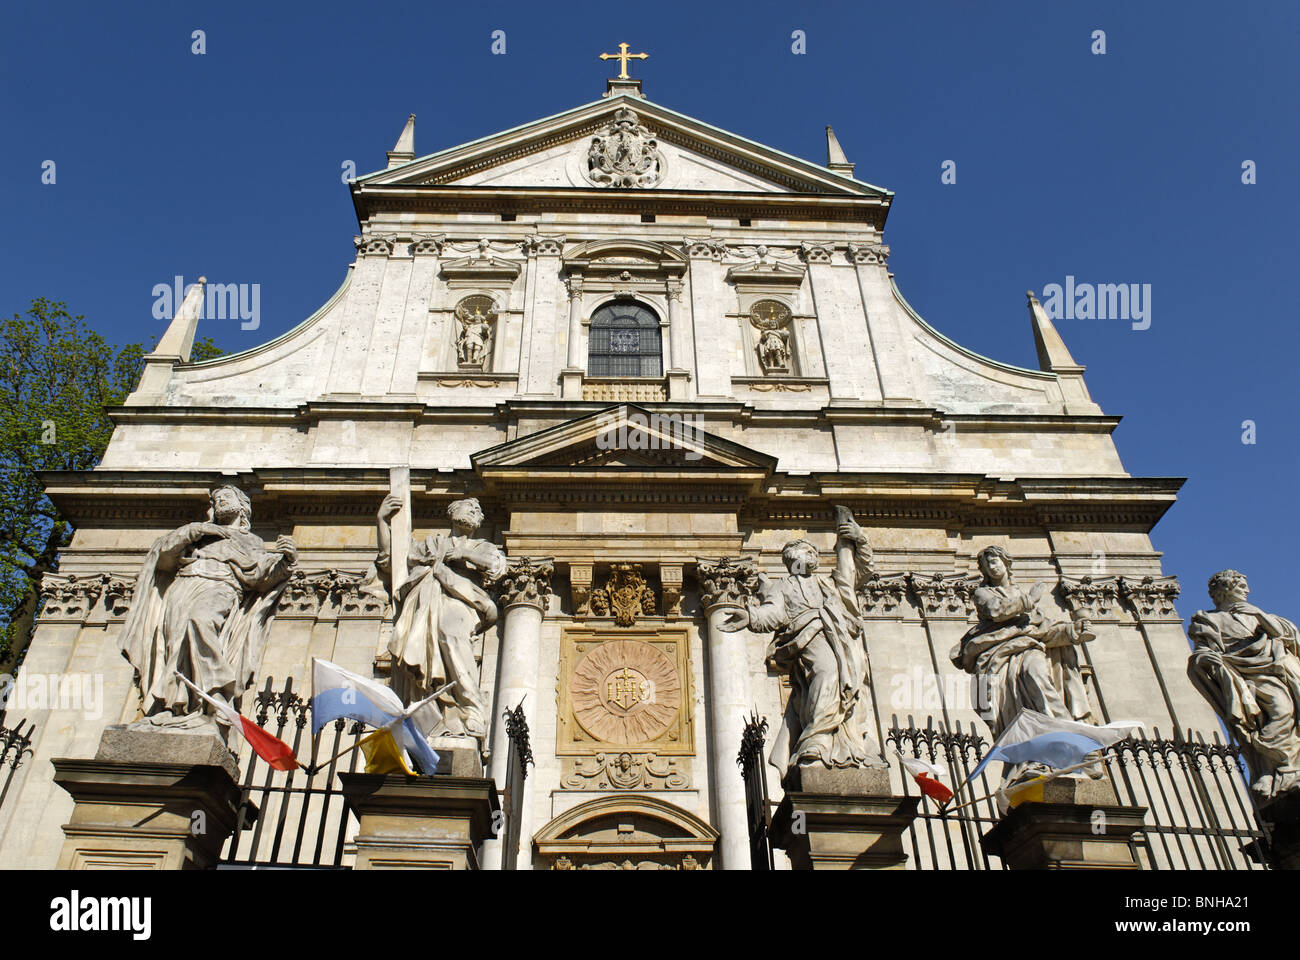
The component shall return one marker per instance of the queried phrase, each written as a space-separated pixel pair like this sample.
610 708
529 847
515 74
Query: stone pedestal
1077 825
842 820
679 384
420 823
149 801
571 383
1281 815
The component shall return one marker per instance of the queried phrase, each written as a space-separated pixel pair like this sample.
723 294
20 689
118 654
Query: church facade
654 352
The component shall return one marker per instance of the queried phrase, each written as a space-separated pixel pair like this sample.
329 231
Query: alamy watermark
629 430
221 301
81 692
1099 301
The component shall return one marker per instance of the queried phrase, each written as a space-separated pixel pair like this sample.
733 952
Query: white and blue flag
1034 737
341 693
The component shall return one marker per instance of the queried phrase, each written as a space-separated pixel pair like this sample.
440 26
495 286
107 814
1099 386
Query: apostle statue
819 641
442 608
1018 656
203 605
1244 661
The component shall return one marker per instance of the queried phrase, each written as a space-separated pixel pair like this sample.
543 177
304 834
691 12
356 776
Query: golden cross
623 57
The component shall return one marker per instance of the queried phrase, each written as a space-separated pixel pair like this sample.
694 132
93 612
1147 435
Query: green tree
56 377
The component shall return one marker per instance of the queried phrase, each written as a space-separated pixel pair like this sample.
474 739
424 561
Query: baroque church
654 353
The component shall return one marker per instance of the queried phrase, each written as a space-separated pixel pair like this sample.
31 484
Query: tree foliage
56 377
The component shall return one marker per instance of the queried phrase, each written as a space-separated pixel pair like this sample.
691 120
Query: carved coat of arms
625 154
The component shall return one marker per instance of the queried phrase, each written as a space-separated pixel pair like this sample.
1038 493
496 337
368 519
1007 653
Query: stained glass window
624 341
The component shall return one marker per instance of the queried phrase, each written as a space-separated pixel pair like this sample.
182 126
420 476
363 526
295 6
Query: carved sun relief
625 691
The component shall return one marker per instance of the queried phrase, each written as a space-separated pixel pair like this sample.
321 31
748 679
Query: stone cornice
760 498
374 200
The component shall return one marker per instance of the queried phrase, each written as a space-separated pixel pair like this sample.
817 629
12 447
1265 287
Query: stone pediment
624 142
624 439
480 268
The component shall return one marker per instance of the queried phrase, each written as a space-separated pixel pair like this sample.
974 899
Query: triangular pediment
621 439
671 151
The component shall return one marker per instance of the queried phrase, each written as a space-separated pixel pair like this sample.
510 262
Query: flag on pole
270 748
927 777
337 692
1034 737
383 755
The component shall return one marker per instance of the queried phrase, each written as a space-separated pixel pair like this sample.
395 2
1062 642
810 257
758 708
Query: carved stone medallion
625 691
621 693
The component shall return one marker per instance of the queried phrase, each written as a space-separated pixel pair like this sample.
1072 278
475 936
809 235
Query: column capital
868 253
1150 596
527 580
726 580
573 284
675 289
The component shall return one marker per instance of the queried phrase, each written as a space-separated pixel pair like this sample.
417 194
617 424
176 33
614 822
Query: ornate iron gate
300 821
758 808
15 743
521 755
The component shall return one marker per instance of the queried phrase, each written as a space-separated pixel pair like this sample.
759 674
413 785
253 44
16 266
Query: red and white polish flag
927 777
270 748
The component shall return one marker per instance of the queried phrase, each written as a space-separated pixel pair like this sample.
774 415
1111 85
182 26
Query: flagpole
1020 787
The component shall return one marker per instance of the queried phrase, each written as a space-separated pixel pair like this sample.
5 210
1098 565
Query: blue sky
1119 168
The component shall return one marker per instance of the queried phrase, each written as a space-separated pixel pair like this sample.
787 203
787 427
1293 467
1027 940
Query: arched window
624 342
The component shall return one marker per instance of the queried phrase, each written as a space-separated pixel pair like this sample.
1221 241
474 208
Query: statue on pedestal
1244 662
819 641
203 605
442 608
1018 656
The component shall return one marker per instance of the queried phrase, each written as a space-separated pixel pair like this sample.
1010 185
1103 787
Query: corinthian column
724 583
523 592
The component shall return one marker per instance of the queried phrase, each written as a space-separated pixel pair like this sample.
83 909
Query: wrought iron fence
15 744
1200 814
300 820
759 810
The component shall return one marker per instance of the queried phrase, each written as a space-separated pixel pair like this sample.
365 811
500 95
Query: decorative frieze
1151 596
728 580
626 771
527 580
